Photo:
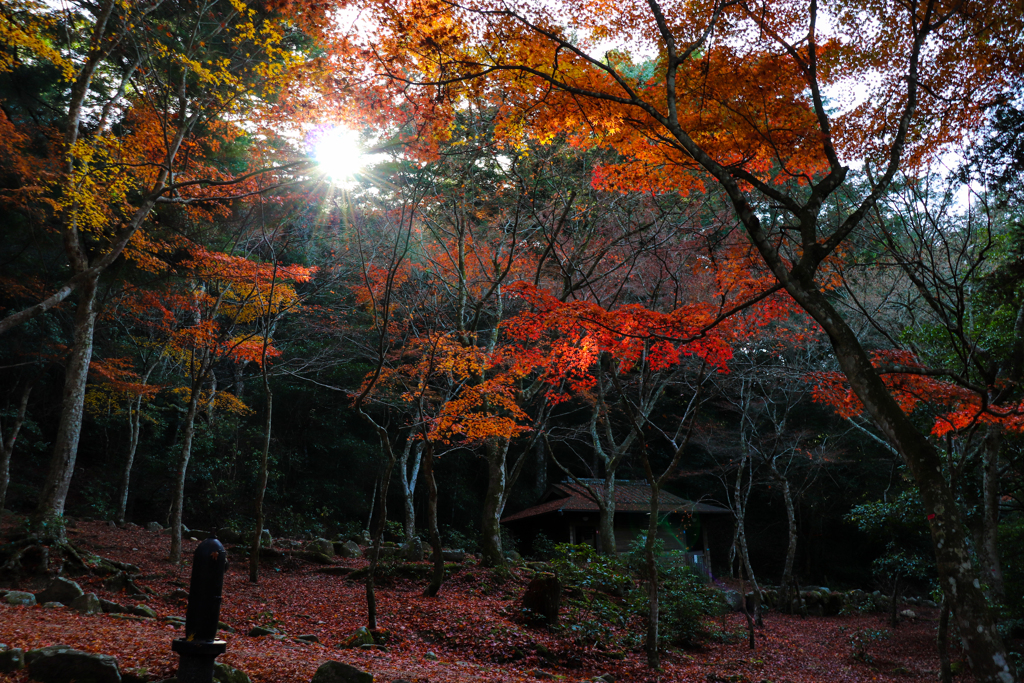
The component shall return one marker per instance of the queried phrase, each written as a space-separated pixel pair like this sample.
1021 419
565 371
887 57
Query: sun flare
338 153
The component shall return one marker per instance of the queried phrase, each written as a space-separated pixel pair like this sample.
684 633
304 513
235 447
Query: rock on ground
338 672
60 590
20 598
11 659
62 664
322 546
86 604
223 673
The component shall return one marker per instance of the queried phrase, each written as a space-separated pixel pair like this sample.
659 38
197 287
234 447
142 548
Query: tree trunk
606 519
988 541
945 670
983 646
135 425
746 612
540 482
379 520
650 563
408 481
787 569
65 447
492 553
178 502
437 578
7 443
894 609
261 488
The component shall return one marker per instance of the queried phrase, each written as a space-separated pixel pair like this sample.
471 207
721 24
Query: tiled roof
629 497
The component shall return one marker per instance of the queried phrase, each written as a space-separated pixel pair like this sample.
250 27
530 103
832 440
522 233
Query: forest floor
471 627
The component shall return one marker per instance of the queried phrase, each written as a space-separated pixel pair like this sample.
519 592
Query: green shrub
543 548
453 538
594 612
686 600
861 638
580 566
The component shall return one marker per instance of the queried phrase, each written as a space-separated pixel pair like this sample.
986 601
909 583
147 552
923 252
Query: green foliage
454 538
393 530
686 601
905 514
543 547
607 593
862 638
580 566
896 565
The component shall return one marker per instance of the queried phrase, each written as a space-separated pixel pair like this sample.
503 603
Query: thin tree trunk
540 482
945 669
7 443
379 520
408 480
492 553
437 578
606 518
746 612
988 541
65 447
893 602
653 603
261 488
135 425
178 502
787 497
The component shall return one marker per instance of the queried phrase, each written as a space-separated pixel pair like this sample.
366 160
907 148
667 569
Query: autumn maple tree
735 98
147 97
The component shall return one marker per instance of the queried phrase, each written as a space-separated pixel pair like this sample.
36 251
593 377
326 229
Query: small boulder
60 590
223 673
230 536
20 598
412 551
929 603
143 611
265 539
322 546
52 605
62 664
733 599
121 582
908 614
154 526
86 604
176 595
430 656
11 659
339 672
309 638
542 599
360 637
453 555
257 631
110 607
